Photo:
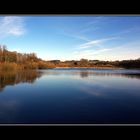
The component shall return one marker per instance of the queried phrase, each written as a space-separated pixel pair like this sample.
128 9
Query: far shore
91 67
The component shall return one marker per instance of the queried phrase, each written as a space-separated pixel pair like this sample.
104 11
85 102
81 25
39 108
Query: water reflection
84 74
88 73
127 75
15 77
70 97
29 76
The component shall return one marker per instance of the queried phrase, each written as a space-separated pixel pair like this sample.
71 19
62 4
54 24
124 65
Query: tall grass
9 66
30 65
45 65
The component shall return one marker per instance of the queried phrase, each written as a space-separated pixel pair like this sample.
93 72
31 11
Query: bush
45 65
30 65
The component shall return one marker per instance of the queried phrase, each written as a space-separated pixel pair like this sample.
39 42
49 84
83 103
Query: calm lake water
70 96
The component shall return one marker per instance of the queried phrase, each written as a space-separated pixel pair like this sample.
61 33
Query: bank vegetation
12 60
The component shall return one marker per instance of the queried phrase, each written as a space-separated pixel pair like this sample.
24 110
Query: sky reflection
70 96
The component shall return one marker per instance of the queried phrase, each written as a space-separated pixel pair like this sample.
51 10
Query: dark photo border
70 8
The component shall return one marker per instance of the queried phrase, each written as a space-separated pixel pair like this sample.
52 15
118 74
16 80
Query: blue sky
73 37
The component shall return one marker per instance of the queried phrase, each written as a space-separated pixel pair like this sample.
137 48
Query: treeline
98 63
12 60
128 63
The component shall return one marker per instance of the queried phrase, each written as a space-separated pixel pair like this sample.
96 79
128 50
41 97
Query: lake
70 96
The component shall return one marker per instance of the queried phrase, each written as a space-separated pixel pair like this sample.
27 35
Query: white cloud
121 52
75 35
89 54
95 43
81 30
89 29
96 20
90 44
86 51
11 25
81 37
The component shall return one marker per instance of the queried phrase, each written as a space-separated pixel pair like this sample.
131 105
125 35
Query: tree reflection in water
84 74
15 77
127 75
88 73
29 76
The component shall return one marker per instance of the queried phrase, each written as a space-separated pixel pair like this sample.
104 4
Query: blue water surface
70 96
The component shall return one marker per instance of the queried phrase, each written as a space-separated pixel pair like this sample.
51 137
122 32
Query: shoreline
89 67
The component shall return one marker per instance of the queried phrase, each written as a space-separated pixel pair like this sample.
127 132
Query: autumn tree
84 62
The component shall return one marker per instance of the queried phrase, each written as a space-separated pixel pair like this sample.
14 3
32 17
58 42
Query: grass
9 66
